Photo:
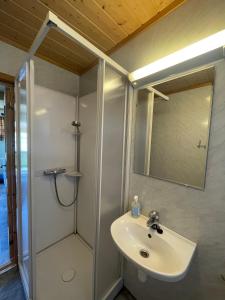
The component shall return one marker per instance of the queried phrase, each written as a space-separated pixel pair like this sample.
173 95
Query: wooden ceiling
106 23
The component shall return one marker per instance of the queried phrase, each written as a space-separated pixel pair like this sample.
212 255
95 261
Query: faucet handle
154 215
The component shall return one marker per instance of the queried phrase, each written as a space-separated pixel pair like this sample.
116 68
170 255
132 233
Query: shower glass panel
46 139
113 107
23 175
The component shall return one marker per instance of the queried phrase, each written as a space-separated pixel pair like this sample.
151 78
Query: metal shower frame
52 21
27 71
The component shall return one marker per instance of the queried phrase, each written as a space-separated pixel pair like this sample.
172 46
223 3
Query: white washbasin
170 254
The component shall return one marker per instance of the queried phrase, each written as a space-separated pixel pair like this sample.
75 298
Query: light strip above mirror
203 46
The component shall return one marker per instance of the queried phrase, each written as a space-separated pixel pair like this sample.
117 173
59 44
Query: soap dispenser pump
135 207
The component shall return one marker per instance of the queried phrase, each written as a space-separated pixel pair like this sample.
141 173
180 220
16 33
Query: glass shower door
112 116
23 93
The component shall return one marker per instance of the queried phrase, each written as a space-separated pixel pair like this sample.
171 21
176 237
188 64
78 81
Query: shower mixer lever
54 171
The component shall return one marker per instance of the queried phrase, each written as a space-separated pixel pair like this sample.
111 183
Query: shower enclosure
66 251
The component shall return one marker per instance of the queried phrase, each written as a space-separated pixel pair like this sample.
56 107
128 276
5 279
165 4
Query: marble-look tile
197 215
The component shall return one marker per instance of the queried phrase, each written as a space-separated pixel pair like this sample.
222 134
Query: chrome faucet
153 221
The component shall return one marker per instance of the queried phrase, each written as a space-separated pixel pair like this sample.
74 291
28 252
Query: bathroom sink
164 256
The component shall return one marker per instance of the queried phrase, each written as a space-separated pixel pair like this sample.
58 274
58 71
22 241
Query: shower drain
68 275
144 253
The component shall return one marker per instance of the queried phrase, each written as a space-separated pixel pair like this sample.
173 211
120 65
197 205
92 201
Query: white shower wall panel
87 189
53 145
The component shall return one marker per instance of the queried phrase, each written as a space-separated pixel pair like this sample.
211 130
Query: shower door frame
52 21
28 68
8 82
102 65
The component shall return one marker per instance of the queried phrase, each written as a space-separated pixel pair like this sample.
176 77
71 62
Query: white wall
194 20
53 146
47 75
86 210
11 59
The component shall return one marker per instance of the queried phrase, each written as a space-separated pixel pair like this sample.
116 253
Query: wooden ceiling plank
144 10
167 10
80 55
23 40
12 9
160 4
33 7
121 14
71 58
99 17
70 68
107 24
60 65
83 26
18 45
4 38
70 46
24 16
54 56
16 24
6 78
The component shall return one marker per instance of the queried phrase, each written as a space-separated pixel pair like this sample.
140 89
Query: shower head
76 123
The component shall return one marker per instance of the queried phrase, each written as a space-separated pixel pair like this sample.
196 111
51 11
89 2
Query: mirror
172 128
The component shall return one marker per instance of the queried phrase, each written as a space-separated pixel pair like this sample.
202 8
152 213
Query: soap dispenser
135 207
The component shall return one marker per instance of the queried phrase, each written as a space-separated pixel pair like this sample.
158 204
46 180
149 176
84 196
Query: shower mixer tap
54 171
153 221
76 123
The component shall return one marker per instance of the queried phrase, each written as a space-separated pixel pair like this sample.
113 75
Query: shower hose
57 194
